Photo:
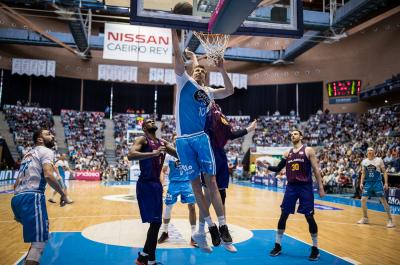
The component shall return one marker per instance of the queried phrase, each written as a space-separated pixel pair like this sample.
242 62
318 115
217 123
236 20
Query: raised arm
228 89
179 65
314 164
240 133
136 154
170 149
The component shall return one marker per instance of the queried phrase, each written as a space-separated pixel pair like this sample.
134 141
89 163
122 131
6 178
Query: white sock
314 238
202 228
209 221
151 262
165 228
193 228
279 235
221 220
143 254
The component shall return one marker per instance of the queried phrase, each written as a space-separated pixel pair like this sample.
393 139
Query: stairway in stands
109 142
5 133
60 135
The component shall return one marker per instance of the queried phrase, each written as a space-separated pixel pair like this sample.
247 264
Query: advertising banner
87 175
137 43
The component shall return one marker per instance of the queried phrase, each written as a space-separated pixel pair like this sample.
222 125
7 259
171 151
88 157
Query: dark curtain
96 95
134 96
310 99
286 98
15 87
165 100
56 93
253 101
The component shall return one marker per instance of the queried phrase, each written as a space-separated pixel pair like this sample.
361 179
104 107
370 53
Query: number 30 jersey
298 167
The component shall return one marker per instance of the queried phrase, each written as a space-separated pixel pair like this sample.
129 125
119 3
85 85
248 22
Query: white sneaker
201 241
229 247
363 220
390 224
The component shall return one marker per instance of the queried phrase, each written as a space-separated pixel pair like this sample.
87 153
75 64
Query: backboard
278 18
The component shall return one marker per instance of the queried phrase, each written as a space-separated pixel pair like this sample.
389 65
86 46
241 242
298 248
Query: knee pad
222 192
35 251
167 211
282 221
312 225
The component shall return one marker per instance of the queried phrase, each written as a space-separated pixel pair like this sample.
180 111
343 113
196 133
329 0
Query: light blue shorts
30 210
196 154
182 188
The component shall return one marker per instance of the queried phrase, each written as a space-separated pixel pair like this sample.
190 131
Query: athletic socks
165 228
202 229
193 227
209 221
314 238
221 220
279 235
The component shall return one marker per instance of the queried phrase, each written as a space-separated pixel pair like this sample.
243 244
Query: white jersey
62 166
31 175
372 169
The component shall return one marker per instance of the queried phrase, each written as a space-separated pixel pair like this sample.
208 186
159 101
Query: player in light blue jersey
60 168
179 185
28 203
193 144
372 170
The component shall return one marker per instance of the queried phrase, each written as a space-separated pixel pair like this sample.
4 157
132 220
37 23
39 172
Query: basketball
183 8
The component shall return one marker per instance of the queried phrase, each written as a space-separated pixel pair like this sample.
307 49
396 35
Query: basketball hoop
214 45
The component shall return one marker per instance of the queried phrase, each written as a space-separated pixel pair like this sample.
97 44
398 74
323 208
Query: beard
152 130
49 144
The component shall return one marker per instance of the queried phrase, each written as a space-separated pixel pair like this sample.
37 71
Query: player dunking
299 161
150 151
193 144
28 203
371 173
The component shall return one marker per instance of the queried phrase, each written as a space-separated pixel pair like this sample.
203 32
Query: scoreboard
346 88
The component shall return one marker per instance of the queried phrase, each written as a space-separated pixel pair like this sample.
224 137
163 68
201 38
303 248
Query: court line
21 258
295 238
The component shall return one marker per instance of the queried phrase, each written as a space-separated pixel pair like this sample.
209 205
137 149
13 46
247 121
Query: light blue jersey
176 172
191 106
372 169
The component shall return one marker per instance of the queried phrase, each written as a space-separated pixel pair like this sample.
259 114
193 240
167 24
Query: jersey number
295 167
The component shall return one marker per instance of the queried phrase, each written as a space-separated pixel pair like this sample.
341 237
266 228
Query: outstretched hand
252 126
219 63
189 53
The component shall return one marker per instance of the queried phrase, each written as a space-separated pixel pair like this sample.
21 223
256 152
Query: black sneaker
193 243
225 236
276 251
216 239
142 260
314 256
163 237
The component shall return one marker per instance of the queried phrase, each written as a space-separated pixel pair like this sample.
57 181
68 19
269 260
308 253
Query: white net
214 44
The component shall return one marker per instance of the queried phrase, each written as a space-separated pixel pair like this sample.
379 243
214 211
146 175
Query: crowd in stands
168 127
346 137
23 121
274 130
84 135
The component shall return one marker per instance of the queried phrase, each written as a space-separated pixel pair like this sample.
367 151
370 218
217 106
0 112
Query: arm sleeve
279 167
47 157
181 80
237 134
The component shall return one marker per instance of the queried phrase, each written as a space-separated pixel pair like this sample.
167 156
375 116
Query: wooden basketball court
248 207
